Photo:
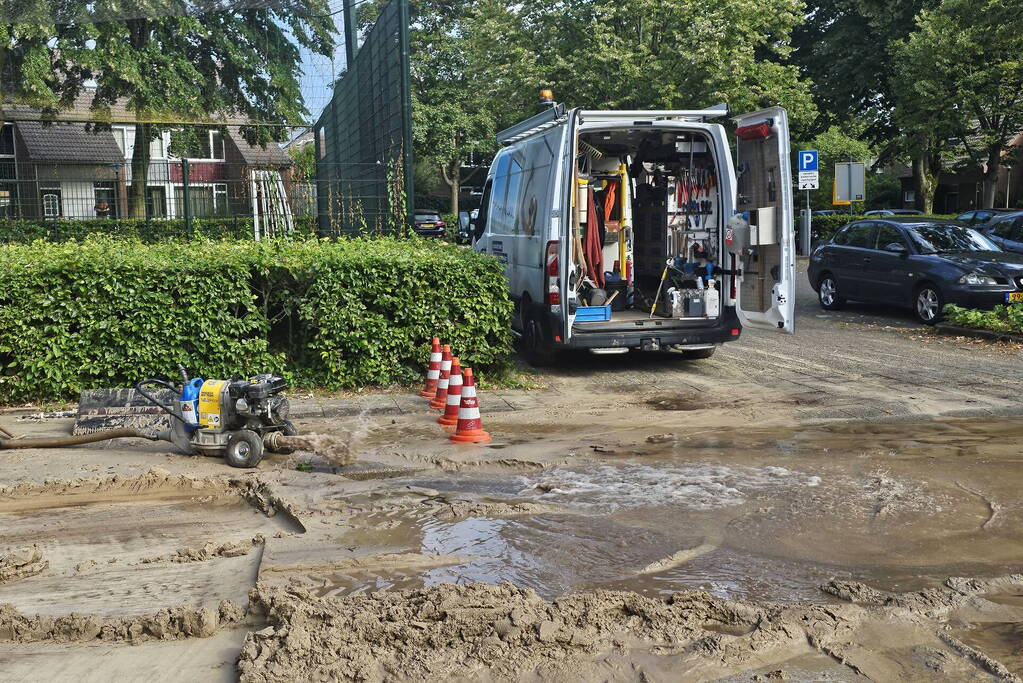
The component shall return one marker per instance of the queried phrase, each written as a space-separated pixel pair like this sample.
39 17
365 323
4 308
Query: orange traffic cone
440 397
470 426
450 416
433 372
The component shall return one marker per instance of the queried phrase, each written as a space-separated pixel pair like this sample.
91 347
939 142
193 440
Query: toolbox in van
592 314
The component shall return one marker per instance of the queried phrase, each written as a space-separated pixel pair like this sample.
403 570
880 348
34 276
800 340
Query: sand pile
22 563
208 551
505 632
168 624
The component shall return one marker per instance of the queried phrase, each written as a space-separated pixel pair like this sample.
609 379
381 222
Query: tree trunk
452 172
139 172
994 165
925 178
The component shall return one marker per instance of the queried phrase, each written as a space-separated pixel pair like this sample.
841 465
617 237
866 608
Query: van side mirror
896 248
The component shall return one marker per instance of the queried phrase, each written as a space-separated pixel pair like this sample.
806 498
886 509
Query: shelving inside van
646 227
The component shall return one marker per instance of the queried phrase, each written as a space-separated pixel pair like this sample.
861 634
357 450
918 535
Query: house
961 188
69 168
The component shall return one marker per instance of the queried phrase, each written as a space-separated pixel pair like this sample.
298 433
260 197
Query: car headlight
977 279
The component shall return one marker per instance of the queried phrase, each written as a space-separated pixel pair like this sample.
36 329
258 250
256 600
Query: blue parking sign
808 160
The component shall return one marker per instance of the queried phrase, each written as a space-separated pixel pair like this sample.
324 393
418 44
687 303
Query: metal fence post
185 198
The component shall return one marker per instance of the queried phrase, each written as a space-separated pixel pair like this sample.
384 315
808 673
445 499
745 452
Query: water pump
239 419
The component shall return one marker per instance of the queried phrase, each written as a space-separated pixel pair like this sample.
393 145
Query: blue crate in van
592 314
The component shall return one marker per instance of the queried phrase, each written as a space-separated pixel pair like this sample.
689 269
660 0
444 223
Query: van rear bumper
658 336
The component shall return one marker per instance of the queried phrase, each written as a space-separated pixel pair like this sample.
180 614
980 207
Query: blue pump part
190 403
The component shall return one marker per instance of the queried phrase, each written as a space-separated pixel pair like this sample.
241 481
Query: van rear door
766 286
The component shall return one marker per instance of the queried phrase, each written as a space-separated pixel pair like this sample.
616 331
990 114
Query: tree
962 71
171 68
459 52
849 51
669 55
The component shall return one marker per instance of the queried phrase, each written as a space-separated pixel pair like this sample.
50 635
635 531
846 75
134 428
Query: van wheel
536 346
699 354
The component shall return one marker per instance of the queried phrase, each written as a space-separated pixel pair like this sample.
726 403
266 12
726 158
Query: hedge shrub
24 231
343 314
1000 319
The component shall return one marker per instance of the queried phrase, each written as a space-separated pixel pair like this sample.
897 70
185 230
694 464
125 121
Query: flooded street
768 515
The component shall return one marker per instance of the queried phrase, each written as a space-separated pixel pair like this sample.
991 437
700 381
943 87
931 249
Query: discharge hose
62 441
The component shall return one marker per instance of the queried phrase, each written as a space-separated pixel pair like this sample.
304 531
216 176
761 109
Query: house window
120 134
51 203
156 202
106 200
8 205
207 146
7 140
208 200
157 148
910 197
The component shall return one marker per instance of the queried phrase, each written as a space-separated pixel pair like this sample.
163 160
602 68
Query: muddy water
763 515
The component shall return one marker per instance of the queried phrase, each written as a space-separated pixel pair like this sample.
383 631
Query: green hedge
24 231
343 314
1000 319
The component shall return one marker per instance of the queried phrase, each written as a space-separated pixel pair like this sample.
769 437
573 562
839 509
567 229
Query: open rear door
767 259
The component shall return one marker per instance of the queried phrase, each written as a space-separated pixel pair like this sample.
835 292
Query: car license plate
1013 297
427 225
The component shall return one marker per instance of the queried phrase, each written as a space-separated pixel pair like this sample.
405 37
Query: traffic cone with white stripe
470 426
433 372
454 401
440 397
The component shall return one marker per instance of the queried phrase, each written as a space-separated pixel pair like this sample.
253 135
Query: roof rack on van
533 125
699 115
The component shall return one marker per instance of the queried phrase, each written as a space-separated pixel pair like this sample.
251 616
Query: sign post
850 183
809 179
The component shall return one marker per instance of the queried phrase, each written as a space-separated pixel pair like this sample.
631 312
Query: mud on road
666 536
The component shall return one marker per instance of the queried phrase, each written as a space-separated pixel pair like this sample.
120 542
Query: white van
627 230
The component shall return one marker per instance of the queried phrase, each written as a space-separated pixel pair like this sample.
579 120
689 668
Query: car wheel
827 293
536 344
928 304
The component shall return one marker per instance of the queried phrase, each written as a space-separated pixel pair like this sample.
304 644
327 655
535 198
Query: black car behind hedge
918 263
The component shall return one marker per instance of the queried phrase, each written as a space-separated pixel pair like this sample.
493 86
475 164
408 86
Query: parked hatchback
1006 230
979 216
918 263
428 224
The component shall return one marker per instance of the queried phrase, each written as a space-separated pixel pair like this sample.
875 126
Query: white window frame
51 192
162 141
123 144
209 141
219 191
909 196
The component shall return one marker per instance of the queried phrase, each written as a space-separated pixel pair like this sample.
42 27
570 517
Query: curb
991 335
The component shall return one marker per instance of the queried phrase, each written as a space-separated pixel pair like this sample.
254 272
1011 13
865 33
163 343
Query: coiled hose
62 441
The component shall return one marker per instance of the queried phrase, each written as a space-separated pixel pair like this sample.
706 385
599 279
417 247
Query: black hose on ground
62 441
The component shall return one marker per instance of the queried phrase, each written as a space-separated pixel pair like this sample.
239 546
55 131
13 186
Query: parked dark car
894 212
979 216
428 224
918 263
1005 230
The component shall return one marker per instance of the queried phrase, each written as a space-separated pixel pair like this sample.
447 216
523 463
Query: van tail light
552 273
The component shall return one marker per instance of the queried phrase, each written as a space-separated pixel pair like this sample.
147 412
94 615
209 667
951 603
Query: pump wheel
287 429
244 449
